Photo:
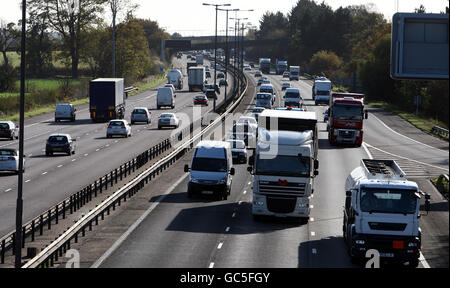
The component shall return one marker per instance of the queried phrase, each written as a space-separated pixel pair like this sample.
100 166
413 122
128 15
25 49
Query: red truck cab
346 116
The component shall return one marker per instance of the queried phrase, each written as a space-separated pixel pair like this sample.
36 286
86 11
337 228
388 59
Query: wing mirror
250 169
366 114
186 169
316 164
232 171
348 193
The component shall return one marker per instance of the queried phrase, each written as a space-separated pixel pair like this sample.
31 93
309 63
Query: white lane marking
59 166
220 246
395 132
7 190
211 265
311 206
136 224
311 219
85 155
44 173
245 192
30 155
364 145
313 234
73 160
228 229
234 215
27 181
249 183
97 150
405 158
107 145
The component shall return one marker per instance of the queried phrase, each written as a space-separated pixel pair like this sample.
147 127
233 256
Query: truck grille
348 134
282 188
387 226
281 205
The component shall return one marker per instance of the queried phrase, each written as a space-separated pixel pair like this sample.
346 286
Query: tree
325 61
69 18
9 40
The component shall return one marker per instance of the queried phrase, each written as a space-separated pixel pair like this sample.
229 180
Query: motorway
49 180
177 232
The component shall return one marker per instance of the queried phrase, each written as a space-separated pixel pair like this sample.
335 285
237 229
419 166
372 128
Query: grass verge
421 122
442 185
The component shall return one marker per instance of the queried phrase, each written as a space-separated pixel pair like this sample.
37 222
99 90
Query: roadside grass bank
421 122
47 92
442 185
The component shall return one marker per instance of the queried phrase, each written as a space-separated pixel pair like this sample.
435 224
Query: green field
14 60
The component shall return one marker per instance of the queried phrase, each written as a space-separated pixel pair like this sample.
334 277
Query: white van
211 170
165 98
293 98
65 112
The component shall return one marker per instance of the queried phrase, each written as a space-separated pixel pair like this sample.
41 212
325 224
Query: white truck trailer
196 78
175 77
294 73
382 212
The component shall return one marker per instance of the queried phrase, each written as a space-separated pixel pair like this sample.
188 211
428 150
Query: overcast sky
190 17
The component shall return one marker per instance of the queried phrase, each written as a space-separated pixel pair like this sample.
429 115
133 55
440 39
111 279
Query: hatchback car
220 75
141 114
258 74
9 160
9 130
168 120
223 82
200 100
60 143
239 151
285 86
118 128
286 74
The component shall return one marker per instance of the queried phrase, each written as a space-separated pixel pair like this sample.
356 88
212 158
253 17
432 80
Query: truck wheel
257 218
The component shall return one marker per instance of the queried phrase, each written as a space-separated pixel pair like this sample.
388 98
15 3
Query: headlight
358 133
258 203
302 205
194 180
222 181
360 242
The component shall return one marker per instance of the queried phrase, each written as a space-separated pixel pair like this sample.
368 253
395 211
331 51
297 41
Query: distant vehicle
211 170
65 112
256 111
286 74
285 86
292 97
268 88
247 68
199 60
196 78
220 75
200 100
191 65
264 65
175 77
168 120
211 87
258 74
211 94
9 160
170 86
239 151
294 73
179 55
281 67
60 143
223 82
118 128
326 115
141 114
245 132
107 99
321 90
264 100
208 74
165 98
346 119
9 130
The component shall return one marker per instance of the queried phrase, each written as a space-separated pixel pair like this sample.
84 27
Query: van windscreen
209 165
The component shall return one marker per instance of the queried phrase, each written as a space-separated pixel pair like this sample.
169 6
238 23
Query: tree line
76 34
350 42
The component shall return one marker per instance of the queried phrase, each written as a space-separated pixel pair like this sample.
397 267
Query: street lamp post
215 46
19 207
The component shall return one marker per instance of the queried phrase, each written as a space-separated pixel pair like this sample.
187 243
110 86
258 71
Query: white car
9 130
285 86
118 128
245 132
248 120
168 120
170 86
9 160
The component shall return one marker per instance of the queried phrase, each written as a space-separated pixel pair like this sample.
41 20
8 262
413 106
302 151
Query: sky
191 18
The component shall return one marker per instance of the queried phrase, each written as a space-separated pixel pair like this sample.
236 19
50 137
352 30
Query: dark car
9 130
220 75
60 143
223 82
201 100
211 94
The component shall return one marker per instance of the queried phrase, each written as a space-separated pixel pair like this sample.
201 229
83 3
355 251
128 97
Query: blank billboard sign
419 46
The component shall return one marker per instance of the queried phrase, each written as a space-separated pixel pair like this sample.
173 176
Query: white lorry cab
382 212
211 170
175 77
294 73
165 98
321 90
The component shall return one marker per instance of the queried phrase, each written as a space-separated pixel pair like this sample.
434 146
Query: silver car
168 120
141 114
9 160
9 130
118 128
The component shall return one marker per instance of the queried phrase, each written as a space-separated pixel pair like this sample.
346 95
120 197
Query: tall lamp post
19 207
237 37
215 46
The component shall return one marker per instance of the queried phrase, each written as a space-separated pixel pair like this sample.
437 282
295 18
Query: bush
8 76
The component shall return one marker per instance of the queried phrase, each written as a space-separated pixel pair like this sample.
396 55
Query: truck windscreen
281 165
382 200
323 93
347 112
